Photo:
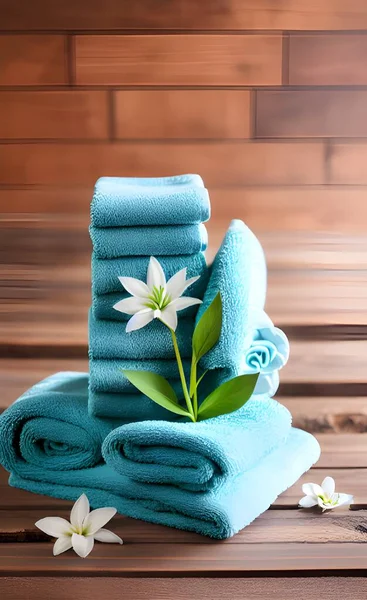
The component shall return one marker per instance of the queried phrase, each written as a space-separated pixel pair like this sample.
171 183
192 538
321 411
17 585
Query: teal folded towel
108 339
172 240
129 407
51 446
198 456
105 273
102 305
239 274
107 376
131 201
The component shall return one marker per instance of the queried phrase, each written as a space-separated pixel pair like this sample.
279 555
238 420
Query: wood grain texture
182 114
344 450
328 414
178 60
34 588
185 14
311 113
32 60
347 163
327 59
220 164
59 200
54 115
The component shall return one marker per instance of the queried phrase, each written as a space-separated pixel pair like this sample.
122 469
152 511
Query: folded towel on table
130 407
108 339
198 456
106 375
105 273
102 305
132 201
112 242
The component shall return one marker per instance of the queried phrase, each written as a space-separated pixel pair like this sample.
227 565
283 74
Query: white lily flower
155 299
323 496
83 529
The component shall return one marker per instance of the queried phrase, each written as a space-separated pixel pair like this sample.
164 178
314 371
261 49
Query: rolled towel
239 274
269 349
172 240
131 201
102 305
51 446
108 339
129 407
198 456
105 273
107 376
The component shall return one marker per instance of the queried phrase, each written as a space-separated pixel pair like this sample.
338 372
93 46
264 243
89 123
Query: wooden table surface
287 552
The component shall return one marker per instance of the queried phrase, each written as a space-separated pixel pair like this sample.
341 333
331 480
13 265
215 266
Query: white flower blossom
323 496
155 299
83 529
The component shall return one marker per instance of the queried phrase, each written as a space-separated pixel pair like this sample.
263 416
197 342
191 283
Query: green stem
193 386
182 376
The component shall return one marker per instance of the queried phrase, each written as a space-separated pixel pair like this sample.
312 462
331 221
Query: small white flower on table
83 529
324 496
155 299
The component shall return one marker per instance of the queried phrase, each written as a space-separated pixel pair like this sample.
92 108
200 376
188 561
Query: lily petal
324 506
82 545
155 274
191 281
135 287
182 303
97 519
62 544
104 535
130 305
176 285
307 502
140 319
328 486
312 489
345 499
79 511
54 526
169 316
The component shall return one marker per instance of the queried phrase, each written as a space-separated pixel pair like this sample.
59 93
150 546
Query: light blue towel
51 446
108 339
102 305
130 407
172 240
198 456
107 376
105 273
239 274
131 201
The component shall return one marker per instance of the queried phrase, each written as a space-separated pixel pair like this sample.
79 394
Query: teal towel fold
102 305
239 274
131 201
107 376
198 456
51 446
108 339
172 240
105 273
129 407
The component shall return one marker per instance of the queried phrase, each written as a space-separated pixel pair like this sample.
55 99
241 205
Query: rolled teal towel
108 339
198 456
107 376
239 274
102 305
105 273
269 349
172 240
129 407
218 513
131 201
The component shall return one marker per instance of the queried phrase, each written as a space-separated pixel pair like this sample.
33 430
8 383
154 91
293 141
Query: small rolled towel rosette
133 201
168 240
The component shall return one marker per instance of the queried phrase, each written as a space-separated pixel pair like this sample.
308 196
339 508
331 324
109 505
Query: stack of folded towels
131 220
213 477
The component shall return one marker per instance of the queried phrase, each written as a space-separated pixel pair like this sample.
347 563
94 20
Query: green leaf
208 329
157 389
228 397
